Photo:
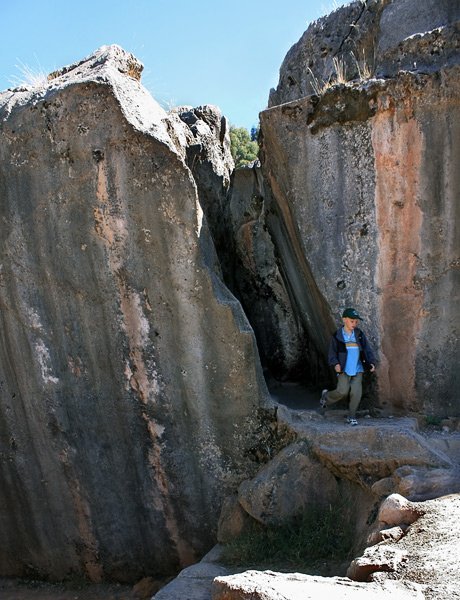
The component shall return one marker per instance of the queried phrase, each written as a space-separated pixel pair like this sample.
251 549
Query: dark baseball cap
351 313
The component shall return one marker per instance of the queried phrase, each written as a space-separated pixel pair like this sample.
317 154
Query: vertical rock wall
367 171
415 140
129 376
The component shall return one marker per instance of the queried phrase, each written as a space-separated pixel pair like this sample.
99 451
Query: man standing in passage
350 355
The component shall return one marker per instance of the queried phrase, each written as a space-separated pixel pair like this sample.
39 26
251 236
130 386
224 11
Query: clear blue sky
219 52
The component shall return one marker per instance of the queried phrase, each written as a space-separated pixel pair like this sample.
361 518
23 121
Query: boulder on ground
233 520
289 484
397 510
377 558
418 483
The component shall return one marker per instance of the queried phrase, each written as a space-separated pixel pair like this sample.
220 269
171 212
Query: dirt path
17 590
297 396
13 589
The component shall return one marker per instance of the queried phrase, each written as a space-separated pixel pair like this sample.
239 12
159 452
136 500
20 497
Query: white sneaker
323 401
352 421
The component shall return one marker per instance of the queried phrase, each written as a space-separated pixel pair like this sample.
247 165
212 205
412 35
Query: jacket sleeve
368 353
332 356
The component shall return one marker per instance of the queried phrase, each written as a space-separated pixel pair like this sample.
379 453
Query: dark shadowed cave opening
262 263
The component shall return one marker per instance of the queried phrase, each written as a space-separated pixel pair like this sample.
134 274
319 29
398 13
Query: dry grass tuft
340 69
338 76
29 77
365 71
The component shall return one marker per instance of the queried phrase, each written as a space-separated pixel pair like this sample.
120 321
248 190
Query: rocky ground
429 553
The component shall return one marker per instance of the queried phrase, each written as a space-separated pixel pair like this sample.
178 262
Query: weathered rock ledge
371 465
383 455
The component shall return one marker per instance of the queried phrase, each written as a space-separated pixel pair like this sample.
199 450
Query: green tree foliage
243 149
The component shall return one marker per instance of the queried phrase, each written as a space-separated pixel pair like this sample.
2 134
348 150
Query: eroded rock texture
365 177
129 376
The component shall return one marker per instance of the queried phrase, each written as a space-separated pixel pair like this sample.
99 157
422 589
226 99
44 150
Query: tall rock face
362 161
257 280
130 384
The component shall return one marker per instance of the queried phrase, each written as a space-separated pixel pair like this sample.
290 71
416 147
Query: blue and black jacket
337 354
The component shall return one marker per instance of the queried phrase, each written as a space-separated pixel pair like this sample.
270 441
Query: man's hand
372 369
338 368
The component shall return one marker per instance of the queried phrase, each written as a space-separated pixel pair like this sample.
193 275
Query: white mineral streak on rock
44 360
34 319
41 353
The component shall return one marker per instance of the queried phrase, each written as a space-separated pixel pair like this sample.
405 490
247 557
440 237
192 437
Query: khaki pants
347 384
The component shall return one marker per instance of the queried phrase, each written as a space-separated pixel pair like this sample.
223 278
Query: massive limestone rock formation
129 377
361 156
130 383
